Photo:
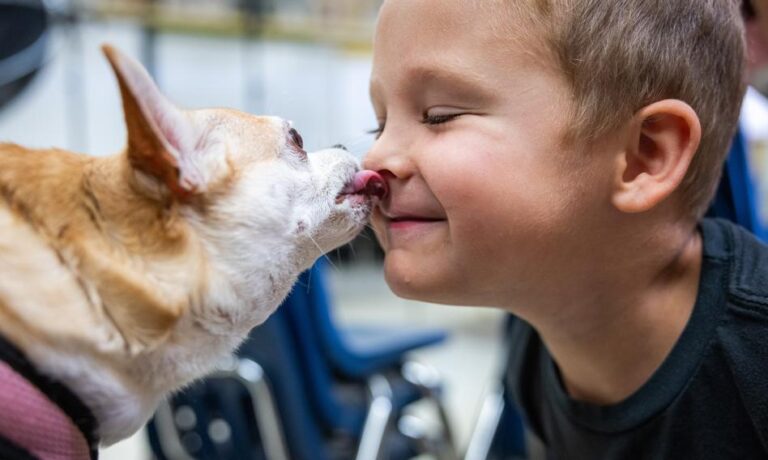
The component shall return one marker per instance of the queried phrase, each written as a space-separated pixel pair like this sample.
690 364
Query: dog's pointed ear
160 135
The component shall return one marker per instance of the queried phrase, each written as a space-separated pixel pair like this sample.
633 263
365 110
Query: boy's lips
400 218
413 219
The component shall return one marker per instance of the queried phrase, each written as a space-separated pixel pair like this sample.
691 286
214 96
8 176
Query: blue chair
318 413
360 351
341 399
499 432
263 397
736 199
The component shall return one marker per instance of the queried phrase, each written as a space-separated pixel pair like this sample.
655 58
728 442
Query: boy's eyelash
376 131
427 120
439 119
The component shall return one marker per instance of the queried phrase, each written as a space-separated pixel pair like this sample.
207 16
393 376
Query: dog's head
263 208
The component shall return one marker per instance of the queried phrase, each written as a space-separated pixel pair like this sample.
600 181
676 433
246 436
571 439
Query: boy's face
486 207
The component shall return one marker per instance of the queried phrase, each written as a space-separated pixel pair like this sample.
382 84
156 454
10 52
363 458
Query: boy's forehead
436 38
440 16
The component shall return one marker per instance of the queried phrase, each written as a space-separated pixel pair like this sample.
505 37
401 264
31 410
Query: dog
124 278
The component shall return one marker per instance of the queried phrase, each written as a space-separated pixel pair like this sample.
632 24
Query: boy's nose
389 164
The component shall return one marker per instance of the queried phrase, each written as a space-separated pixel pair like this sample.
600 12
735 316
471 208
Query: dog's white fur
244 245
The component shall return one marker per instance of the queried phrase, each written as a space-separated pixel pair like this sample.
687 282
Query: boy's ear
663 139
161 138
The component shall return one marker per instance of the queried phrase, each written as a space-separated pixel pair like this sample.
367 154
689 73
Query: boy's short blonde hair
621 55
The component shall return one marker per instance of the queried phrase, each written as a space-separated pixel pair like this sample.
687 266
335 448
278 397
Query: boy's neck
612 348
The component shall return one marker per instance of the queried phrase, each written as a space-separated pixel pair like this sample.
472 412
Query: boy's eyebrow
457 82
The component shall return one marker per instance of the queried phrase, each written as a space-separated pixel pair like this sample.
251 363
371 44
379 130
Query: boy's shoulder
716 372
740 261
747 260
741 334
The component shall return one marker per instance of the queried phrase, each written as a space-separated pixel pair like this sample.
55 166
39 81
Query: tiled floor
74 104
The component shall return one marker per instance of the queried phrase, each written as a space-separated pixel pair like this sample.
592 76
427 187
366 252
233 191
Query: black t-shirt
707 400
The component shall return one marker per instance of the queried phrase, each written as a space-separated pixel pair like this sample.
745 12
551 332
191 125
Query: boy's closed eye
430 119
440 117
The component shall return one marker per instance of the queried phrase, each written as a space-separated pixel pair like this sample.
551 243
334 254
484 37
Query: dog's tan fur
74 225
107 281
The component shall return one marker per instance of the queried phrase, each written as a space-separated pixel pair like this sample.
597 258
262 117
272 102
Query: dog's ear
162 139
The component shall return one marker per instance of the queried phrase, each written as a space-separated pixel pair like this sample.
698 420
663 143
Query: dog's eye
296 138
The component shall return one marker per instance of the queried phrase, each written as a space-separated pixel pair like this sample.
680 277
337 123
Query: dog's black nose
341 146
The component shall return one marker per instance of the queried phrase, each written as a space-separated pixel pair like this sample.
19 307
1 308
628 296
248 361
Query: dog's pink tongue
368 182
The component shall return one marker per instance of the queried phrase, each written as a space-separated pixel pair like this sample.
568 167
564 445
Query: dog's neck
133 256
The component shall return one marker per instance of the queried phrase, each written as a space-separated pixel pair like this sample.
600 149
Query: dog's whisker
323 254
365 237
358 146
300 284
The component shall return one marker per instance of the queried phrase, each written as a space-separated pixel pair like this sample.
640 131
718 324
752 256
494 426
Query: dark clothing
708 399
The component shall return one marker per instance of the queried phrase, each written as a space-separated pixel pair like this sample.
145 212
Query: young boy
555 158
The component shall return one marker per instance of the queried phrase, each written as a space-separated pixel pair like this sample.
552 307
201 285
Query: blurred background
304 60
307 61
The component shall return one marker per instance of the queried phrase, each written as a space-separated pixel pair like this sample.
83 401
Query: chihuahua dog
124 278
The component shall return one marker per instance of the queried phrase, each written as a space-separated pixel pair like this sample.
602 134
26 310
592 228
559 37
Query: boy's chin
403 278
412 282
